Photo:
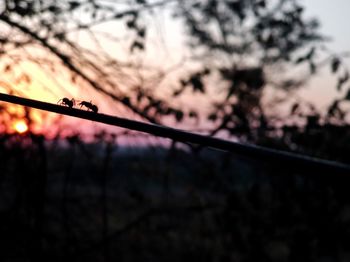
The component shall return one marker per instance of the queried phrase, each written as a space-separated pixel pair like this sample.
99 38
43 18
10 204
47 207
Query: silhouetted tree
241 46
251 45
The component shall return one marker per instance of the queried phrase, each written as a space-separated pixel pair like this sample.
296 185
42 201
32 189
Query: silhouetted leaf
7 68
333 110
300 60
179 115
311 54
312 67
54 9
261 4
126 100
347 96
137 45
183 82
73 5
299 9
197 84
213 117
238 8
193 114
206 71
342 80
119 15
335 64
294 108
177 92
131 23
61 37
141 32
308 56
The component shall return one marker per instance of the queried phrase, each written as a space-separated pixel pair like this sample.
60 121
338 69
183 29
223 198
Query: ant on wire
90 106
66 102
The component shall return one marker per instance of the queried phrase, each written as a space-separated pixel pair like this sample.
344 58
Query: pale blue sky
334 18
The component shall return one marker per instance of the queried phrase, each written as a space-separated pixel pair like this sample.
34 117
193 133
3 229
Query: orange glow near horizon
20 126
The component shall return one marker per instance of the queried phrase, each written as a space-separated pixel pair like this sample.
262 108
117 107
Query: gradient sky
333 16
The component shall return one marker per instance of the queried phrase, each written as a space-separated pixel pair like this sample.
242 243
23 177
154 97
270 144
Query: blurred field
66 200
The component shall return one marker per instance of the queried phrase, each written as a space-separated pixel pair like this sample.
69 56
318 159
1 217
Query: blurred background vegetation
228 68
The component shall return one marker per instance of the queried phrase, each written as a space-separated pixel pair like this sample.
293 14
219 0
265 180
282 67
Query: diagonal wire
285 159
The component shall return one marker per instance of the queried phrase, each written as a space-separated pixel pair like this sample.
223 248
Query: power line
279 158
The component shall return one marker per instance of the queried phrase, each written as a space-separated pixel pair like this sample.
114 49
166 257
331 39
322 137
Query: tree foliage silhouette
252 45
244 46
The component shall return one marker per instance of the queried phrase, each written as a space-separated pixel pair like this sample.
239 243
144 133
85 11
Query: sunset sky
321 90
334 18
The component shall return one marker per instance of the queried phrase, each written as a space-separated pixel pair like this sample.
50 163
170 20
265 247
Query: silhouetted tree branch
237 50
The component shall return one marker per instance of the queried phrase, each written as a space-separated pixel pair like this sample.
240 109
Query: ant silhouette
66 102
90 106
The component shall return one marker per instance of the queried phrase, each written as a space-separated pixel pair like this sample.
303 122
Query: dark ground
76 202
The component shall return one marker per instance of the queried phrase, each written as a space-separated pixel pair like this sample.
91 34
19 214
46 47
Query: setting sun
20 126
